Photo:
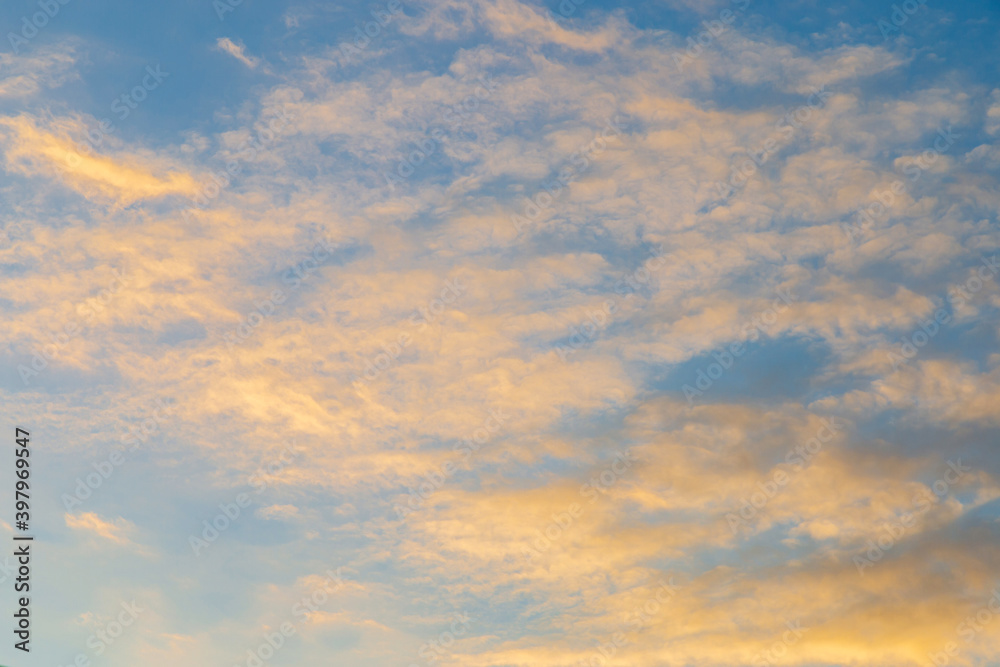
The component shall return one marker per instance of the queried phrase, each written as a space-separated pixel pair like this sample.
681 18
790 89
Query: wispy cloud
237 51
377 327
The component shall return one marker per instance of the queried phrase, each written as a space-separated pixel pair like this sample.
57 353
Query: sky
502 333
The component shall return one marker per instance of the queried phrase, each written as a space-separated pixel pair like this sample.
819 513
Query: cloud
26 76
124 179
237 51
278 512
992 125
114 531
386 379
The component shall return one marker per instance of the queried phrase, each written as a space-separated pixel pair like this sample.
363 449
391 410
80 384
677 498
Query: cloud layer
570 339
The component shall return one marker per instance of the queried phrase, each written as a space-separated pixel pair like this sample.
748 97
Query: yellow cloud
95 525
32 150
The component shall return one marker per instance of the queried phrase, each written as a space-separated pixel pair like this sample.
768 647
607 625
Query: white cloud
237 51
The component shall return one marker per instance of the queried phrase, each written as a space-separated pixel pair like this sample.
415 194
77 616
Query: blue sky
474 342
